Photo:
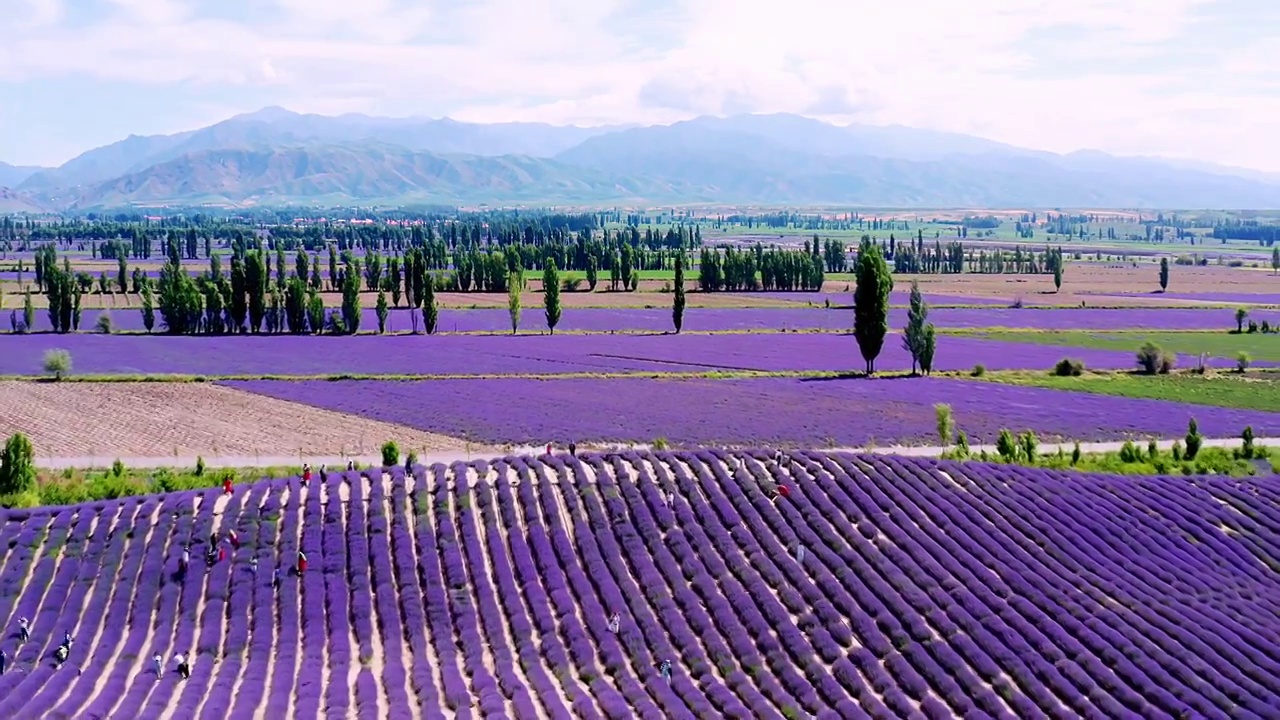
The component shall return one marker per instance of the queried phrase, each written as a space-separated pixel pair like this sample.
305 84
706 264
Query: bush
1153 451
942 412
1242 361
410 460
1253 327
1193 440
1246 443
1069 367
1266 326
1152 359
117 468
390 453
1177 451
199 466
1030 446
978 370
1075 454
962 445
1007 446
1129 453
17 466
103 325
57 362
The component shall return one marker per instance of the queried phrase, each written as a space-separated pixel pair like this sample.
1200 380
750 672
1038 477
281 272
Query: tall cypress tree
551 294
871 303
677 304
913 335
430 314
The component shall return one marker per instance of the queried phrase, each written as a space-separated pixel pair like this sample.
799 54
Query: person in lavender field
306 474
186 559
158 662
213 539
60 655
4 661
615 622
351 465
211 555
664 668
184 666
222 553
573 449
275 579
324 473
302 563
66 638
226 485
253 566
24 630
800 553
234 539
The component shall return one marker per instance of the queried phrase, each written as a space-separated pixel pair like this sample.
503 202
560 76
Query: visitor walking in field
184 666
158 662
306 474
615 622
4 661
24 630
665 670
253 566
226 485
234 539
275 579
302 563
66 638
60 655
573 449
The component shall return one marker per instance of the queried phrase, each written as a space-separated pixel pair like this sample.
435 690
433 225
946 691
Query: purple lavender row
309 689
280 685
238 607
522 589
123 562
68 540
1109 583
359 586
210 646
817 615
99 570
84 557
570 591
390 622
566 659
34 655
686 576
421 680
195 587
1089 637
333 560
261 537
639 588
492 694
492 622
456 695
156 593
22 538
515 617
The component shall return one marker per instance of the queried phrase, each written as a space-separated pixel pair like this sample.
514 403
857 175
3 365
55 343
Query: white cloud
978 66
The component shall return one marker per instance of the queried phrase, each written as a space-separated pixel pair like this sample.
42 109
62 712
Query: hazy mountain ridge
277 157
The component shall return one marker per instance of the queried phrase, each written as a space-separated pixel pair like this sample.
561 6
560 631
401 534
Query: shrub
661 444
1069 367
1246 443
17 466
942 412
390 453
1153 451
1177 451
57 362
1030 446
117 468
410 460
199 466
103 325
1253 327
1266 326
571 284
1193 440
1129 452
1007 446
1152 359
1242 361
962 445
1075 454
978 370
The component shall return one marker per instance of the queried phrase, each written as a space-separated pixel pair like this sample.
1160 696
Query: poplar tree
871 303
551 294
677 303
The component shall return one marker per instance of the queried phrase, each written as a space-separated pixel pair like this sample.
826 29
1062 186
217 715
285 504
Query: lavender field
879 587
601 320
790 412
525 354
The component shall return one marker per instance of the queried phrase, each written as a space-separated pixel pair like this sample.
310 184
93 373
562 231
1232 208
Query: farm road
340 462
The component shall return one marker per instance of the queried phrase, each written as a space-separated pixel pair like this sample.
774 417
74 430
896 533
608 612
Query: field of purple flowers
777 411
878 587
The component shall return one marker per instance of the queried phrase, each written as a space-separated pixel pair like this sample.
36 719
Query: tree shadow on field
857 375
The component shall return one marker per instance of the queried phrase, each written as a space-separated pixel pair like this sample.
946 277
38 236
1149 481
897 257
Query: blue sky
1196 79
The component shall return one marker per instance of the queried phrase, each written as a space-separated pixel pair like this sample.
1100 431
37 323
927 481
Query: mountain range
277 157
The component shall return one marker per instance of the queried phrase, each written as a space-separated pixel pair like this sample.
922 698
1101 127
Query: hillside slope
925 589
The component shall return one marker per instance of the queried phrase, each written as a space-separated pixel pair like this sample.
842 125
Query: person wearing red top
226 485
234 539
784 491
302 563
306 474
222 554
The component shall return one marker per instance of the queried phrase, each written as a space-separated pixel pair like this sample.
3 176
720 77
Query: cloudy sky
1185 78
